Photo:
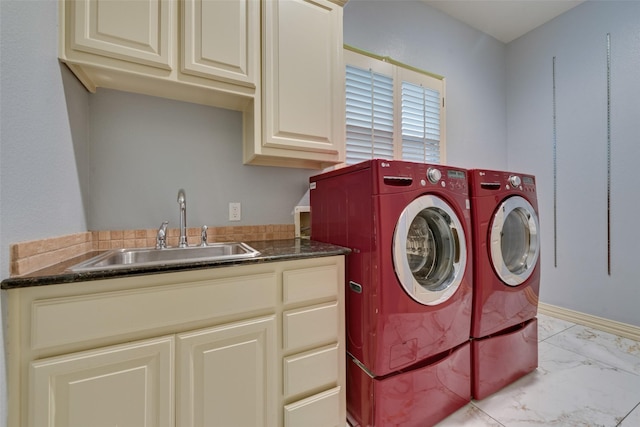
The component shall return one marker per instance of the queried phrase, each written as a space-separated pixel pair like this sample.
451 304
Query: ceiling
506 20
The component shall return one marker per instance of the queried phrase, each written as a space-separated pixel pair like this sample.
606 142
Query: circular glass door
429 250
514 240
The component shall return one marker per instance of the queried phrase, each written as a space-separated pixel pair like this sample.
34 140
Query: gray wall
142 150
578 41
43 136
42 159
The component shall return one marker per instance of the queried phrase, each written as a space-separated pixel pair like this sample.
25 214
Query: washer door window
429 250
514 240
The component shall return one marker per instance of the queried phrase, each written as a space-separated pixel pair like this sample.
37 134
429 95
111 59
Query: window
392 111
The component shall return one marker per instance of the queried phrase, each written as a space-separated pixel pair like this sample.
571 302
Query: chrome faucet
182 202
161 237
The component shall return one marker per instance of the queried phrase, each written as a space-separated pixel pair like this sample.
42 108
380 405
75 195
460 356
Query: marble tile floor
585 377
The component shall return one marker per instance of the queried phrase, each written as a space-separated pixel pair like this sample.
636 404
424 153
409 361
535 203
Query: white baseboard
606 325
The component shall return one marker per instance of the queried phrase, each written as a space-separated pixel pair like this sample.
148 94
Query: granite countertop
270 251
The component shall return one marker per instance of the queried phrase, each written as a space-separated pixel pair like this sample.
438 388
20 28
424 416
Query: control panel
415 176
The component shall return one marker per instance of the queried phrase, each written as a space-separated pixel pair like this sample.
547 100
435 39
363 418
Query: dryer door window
514 240
429 250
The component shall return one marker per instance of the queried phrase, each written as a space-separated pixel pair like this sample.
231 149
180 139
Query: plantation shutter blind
420 116
393 110
369 115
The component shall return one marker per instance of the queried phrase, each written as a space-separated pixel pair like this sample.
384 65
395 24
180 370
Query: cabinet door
221 39
134 31
227 375
303 76
126 385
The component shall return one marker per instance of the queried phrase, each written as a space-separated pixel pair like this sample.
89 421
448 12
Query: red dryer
409 286
506 278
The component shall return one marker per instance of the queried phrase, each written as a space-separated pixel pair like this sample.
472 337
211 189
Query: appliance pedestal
499 360
418 397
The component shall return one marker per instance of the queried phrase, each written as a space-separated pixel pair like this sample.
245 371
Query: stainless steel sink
126 258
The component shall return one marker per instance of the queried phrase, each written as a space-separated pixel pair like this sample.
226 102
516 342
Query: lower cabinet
245 346
227 375
126 385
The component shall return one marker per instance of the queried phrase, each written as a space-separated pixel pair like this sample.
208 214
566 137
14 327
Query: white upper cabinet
303 84
278 61
200 51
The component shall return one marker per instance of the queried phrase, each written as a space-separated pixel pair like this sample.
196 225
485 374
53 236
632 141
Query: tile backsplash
27 257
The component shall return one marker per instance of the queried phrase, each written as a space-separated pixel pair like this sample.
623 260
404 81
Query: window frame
399 72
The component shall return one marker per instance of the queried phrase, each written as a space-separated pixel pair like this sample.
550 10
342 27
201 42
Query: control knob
515 181
434 175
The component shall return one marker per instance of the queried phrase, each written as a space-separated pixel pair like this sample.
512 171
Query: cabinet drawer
311 370
320 410
68 320
310 284
310 326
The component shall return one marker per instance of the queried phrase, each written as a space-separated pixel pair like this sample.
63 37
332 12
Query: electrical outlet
235 212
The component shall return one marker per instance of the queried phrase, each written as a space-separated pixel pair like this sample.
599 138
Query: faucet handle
161 237
203 236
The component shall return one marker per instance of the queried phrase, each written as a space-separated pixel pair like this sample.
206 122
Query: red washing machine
409 286
506 278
